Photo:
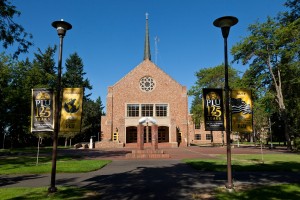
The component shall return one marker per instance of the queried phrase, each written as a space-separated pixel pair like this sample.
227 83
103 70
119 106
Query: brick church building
147 91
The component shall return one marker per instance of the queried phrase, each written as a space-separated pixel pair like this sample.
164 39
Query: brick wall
127 90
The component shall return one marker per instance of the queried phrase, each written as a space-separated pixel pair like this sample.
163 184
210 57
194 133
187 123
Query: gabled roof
147 57
149 63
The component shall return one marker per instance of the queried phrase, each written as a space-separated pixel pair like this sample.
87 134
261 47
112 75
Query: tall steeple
147 55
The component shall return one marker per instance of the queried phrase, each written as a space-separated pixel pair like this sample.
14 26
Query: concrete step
147 156
148 145
147 153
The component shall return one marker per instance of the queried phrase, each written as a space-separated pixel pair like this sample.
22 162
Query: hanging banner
241 111
213 109
71 110
42 110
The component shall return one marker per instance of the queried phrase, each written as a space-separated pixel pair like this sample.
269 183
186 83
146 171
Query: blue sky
109 34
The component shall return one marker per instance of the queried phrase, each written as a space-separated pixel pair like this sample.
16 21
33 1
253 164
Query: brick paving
175 153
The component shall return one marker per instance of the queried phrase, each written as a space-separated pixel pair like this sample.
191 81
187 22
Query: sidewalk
150 179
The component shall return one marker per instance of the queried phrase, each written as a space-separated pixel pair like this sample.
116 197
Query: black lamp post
225 23
61 27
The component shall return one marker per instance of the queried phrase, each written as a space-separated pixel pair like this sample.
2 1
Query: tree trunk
286 129
280 101
66 142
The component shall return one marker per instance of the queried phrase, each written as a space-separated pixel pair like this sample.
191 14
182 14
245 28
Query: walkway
150 179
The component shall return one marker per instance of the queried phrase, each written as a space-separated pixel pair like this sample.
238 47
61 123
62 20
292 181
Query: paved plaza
152 179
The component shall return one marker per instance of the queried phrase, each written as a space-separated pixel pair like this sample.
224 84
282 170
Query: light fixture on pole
61 27
225 23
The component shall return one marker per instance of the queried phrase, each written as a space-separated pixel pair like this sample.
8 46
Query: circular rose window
147 84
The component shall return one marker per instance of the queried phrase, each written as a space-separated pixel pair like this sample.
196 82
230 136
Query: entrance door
163 134
131 134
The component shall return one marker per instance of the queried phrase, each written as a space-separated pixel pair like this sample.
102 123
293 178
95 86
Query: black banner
42 110
213 109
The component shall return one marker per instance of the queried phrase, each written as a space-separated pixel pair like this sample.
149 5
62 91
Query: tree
91 121
268 54
19 77
5 79
213 77
19 103
290 32
74 75
44 61
292 15
74 78
11 32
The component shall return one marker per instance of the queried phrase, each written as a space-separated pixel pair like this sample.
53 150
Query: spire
147 55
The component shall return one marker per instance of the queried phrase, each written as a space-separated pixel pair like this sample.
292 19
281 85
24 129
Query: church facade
147 91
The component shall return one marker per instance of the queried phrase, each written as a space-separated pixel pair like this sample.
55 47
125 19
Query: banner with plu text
42 110
241 111
70 120
213 109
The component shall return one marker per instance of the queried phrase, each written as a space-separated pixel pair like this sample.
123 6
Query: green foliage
271 162
297 144
91 119
210 78
11 32
24 76
213 77
74 75
5 79
27 165
92 110
278 191
17 80
272 52
65 193
45 66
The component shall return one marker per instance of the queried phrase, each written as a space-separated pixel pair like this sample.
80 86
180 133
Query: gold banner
42 110
241 111
70 120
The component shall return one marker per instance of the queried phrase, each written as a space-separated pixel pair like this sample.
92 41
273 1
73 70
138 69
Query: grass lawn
16 163
274 192
66 193
249 162
32 150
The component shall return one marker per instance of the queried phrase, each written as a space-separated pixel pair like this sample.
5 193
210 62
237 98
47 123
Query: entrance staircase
148 152
148 145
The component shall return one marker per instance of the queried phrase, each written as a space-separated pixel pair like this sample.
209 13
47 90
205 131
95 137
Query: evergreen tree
44 62
74 78
74 75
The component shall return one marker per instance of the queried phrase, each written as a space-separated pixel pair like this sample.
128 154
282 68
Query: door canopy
147 120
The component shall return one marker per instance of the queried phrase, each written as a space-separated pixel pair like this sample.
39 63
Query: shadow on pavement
173 182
